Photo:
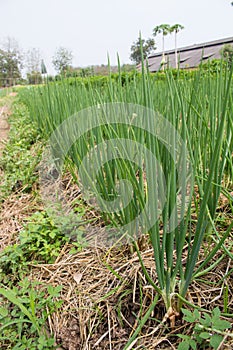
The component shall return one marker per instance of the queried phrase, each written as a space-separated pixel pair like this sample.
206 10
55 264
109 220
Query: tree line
13 60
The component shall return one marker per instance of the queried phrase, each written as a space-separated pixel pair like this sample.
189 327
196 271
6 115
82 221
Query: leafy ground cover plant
209 330
41 240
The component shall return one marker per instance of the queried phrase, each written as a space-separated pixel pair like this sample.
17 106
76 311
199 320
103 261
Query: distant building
189 56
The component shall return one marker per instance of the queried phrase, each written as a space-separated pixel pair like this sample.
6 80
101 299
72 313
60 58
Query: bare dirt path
12 206
4 126
4 130
5 105
5 111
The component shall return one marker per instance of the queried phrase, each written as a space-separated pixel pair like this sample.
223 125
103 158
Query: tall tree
33 60
147 47
62 60
11 62
163 29
175 29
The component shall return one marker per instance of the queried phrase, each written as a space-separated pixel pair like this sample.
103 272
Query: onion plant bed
139 149
156 156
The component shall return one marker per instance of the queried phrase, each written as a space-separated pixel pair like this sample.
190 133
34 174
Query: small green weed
26 305
24 310
41 240
209 330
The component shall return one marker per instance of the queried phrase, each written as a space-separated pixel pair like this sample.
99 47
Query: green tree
34 78
147 47
175 29
62 60
227 54
11 62
163 29
33 60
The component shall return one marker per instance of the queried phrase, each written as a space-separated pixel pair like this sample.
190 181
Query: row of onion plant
200 111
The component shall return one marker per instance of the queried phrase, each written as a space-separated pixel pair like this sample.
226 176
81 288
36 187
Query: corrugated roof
189 56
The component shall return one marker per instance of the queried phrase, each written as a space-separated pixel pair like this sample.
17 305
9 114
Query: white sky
92 28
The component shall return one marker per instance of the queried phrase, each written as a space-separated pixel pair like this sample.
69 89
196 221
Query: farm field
116 213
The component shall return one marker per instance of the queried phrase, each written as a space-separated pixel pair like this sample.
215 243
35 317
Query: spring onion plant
200 109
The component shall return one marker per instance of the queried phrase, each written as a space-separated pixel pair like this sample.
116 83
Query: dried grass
14 210
101 308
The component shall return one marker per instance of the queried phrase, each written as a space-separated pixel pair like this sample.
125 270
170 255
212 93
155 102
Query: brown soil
5 111
4 126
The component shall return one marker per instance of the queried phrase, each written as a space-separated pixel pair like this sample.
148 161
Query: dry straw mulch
14 210
105 295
